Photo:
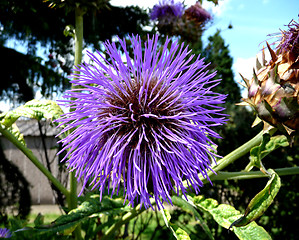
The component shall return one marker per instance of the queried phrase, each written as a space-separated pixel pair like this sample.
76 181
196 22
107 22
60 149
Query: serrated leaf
225 215
36 109
16 132
260 203
65 224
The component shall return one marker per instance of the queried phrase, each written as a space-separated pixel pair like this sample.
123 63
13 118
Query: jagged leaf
225 215
260 203
37 109
65 224
16 132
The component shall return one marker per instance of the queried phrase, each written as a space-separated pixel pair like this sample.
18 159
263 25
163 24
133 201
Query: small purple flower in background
5 233
167 8
143 122
197 13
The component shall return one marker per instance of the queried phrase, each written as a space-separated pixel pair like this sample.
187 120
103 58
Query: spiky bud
273 90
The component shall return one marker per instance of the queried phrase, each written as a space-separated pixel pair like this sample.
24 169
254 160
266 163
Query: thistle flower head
274 89
197 14
5 233
167 8
289 41
144 122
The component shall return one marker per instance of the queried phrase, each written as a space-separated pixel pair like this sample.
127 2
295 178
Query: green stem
78 37
237 153
233 156
72 203
8 135
253 174
73 200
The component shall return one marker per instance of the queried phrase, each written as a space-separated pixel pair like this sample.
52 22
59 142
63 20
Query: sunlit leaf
225 215
66 224
260 203
36 109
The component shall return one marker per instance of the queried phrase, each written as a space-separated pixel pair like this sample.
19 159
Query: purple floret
167 8
143 122
5 233
290 38
197 13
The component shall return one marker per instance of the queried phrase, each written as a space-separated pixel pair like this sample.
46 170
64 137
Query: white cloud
244 66
218 10
143 4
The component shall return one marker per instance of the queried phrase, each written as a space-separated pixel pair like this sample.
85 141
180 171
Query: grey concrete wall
40 189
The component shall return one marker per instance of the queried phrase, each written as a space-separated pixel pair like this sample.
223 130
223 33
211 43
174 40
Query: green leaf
267 146
16 132
188 207
66 224
39 220
36 109
260 203
225 215
177 232
181 234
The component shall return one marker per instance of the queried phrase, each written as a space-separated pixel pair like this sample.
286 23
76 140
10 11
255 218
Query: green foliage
225 215
260 203
191 209
36 109
267 146
177 232
90 208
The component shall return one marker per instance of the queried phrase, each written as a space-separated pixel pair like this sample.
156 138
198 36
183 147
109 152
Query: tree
35 23
217 53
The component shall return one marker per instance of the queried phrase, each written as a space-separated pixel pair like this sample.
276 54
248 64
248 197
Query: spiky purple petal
142 122
290 38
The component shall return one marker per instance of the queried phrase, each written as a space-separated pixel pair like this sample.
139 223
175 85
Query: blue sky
252 21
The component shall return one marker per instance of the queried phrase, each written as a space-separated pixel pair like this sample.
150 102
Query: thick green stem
233 156
253 174
8 135
73 201
237 153
78 36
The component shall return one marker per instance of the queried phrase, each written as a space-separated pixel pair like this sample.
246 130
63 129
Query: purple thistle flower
167 8
197 13
290 39
143 123
5 233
